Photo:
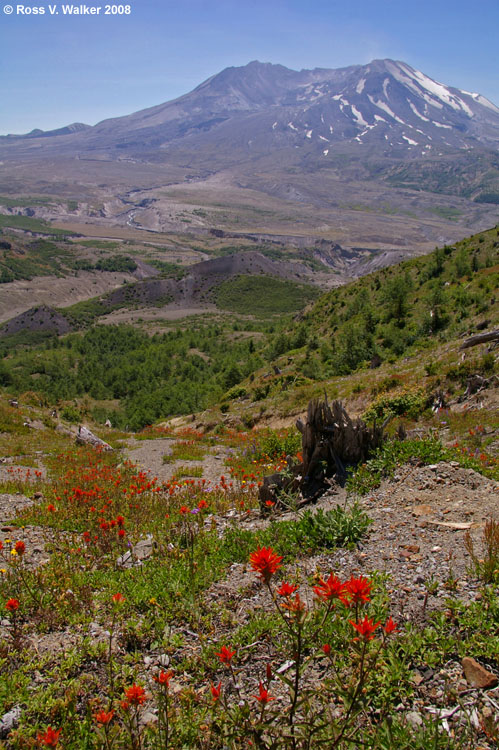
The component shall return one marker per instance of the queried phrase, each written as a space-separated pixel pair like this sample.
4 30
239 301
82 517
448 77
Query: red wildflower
358 589
294 605
332 588
118 598
51 508
263 696
286 589
50 738
12 605
202 504
135 695
390 626
365 627
184 509
216 690
225 655
104 717
20 548
121 533
265 562
120 520
327 649
163 678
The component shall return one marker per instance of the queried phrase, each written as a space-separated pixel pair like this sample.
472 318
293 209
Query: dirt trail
148 455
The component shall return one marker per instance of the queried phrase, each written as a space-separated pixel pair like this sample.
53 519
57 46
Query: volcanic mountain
258 108
381 137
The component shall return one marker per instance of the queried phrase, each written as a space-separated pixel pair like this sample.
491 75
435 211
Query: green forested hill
411 304
149 377
388 314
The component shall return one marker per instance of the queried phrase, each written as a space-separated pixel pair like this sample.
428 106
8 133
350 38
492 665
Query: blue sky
58 69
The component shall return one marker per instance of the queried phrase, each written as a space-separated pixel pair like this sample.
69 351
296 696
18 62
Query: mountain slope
353 156
251 110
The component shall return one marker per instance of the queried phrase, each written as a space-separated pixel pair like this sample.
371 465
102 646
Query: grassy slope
414 310
170 606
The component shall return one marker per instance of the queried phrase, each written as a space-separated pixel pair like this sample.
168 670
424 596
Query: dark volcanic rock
41 318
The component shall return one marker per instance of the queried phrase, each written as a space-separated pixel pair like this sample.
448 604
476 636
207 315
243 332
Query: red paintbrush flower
20 548
266 562
135 695
216 690
358 589
286 589
103 717
225 655
12 605
332 588
390 626
50 738
365 627
294 605
263 696
163 678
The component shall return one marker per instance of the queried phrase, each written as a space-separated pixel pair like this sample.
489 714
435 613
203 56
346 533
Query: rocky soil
419 521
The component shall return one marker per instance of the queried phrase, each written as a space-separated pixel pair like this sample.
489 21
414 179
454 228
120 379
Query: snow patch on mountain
382 105
358 116
417 113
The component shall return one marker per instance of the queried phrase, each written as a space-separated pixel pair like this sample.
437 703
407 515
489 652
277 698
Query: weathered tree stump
331 442
332 439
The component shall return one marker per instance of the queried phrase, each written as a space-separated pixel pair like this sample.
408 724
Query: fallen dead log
480 338
86 437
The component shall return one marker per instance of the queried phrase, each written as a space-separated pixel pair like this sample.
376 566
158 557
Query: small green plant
188 471
485 568
273 444
409 403
392 454
312 532
237 391
185 450
71 414
431 368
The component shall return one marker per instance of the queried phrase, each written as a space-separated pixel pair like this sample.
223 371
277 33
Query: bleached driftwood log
480 338
86 437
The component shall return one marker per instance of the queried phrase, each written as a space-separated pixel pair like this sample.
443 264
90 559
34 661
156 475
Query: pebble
478 676
414 718
9 721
